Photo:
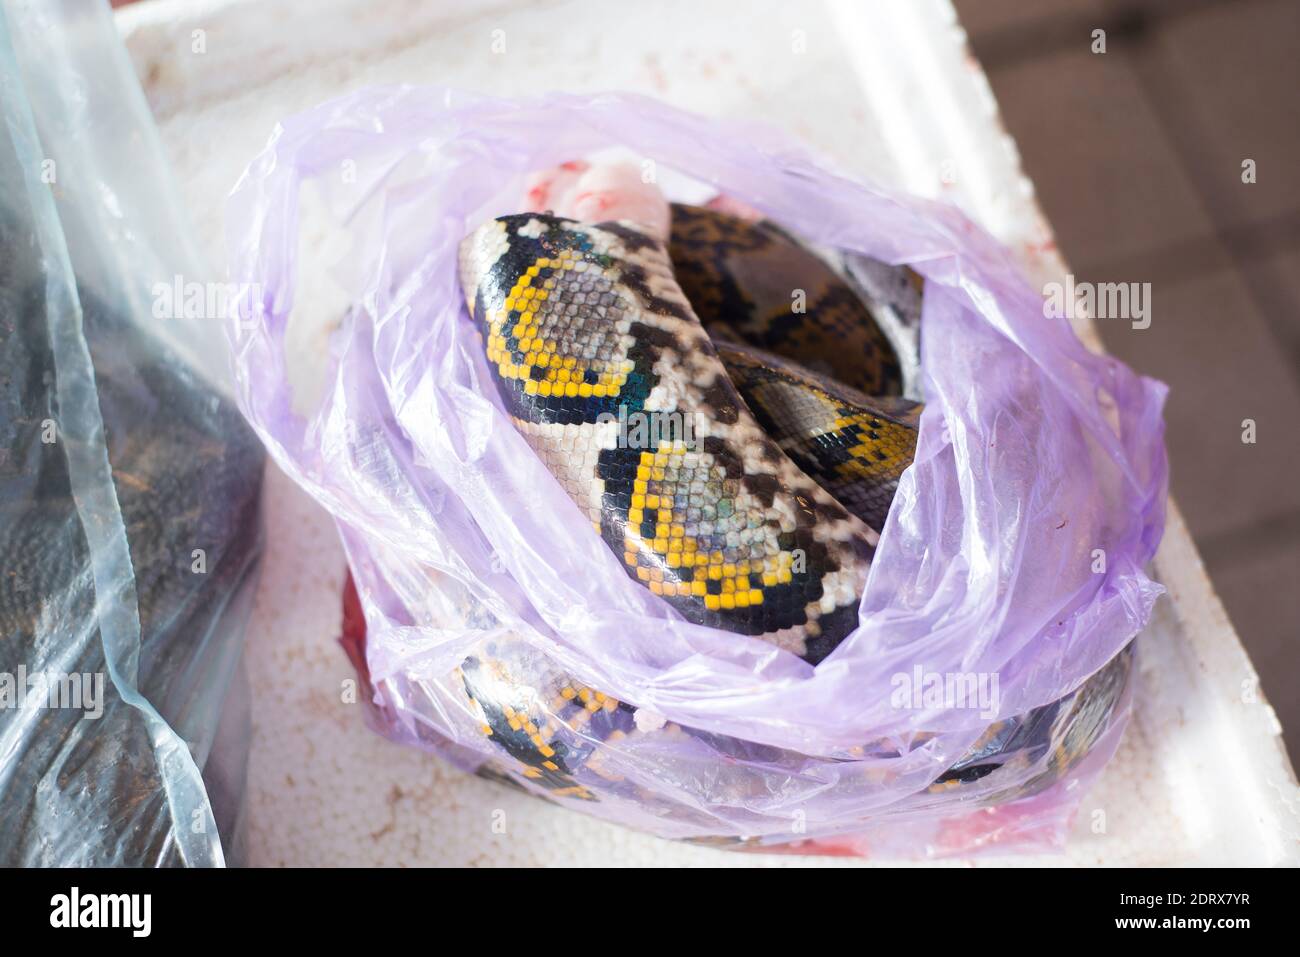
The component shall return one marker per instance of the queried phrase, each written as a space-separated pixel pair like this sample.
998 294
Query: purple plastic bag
1015 546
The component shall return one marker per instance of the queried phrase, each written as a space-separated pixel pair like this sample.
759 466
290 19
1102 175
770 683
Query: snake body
854 446
806 434
751 282
585 321
187 475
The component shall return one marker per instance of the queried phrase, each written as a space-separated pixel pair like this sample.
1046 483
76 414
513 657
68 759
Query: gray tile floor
1137 156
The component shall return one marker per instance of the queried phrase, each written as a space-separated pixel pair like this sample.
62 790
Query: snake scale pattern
583 322
767 524
187 473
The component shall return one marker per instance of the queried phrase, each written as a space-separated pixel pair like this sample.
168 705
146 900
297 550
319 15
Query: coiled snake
765 525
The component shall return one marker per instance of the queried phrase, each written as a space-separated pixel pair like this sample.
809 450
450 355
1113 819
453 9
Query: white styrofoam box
888 91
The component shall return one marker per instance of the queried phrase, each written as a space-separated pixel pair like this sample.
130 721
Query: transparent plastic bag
484 588
129 486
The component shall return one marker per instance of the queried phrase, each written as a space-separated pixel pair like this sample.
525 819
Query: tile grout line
1134 25
1184 133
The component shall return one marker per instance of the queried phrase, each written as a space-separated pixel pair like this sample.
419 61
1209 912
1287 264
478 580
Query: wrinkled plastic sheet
119 463
1015 546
